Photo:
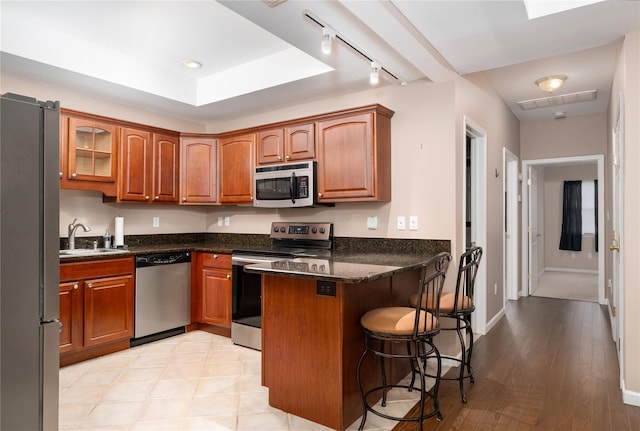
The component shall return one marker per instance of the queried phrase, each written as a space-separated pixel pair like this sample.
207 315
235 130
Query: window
588 208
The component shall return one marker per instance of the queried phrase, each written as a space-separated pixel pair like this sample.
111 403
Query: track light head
374 75
327 40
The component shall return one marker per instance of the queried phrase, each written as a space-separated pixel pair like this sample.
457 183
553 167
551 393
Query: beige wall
554 258
477 100
422 139
584 135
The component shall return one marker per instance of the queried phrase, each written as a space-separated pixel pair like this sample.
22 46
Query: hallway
548 365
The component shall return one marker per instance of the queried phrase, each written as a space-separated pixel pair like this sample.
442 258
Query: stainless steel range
288 240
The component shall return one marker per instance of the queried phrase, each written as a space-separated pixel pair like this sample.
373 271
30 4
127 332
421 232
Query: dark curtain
571 235
595 195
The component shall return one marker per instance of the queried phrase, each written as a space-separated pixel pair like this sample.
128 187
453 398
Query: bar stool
385 327
459 305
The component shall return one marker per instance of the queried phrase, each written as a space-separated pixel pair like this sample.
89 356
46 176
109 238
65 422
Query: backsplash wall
88 208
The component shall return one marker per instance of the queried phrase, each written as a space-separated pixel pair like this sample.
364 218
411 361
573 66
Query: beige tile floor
193 381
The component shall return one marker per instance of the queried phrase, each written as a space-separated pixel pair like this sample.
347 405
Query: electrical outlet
219 220
372 222
401 221
227 221
156 222
413 222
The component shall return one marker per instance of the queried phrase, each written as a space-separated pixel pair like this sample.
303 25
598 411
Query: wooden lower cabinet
70 317
96 308
213 292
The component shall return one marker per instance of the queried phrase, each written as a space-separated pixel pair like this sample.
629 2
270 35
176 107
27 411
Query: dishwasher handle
157 259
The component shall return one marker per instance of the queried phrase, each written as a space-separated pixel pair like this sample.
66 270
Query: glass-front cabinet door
92 147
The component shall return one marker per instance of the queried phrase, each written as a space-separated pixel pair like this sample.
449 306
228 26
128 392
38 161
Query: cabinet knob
75 286
215 256
279 157
73 175
228 276
90 285
146 197
184 199
288 157
319 195
60 174
156 198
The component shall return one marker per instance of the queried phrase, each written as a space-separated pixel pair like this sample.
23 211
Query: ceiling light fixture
374 75
341 38
551 83
192 64
327 40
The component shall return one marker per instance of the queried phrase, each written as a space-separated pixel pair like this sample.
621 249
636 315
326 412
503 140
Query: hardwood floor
548 365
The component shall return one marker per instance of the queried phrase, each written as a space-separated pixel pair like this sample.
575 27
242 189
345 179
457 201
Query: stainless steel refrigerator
29 243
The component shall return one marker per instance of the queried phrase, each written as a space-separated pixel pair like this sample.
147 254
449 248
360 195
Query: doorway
532 232
510 245
474 209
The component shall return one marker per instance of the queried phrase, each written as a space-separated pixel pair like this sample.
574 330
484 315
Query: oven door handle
242 261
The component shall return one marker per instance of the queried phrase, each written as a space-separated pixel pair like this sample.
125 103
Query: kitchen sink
91 252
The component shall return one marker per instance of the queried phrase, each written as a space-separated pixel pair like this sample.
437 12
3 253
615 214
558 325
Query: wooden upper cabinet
88 154
198 170
149 166
286 144
300 142
166 168
136 148
236 169
354 157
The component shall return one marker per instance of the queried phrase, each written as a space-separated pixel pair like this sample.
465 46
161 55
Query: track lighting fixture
328 34
374 75
327 40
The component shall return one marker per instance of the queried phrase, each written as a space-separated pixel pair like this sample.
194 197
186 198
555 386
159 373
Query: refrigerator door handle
60 325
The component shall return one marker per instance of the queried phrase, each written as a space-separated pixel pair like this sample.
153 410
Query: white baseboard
579 271
494 320
630 397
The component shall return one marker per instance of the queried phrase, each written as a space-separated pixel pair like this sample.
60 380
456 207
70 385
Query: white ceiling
258 57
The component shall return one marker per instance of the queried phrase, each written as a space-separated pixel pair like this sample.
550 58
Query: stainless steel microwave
287 185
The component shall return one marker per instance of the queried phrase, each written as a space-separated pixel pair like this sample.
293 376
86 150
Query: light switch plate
413 223
156 222
219 220
401 223
372 222
227 221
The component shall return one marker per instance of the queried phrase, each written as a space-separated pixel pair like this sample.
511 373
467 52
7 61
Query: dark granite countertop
354 260
343 269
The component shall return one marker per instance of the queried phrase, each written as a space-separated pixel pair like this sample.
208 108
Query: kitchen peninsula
311 335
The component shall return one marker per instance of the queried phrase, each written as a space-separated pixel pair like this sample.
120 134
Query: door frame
617 262
598 159
510 245
478 213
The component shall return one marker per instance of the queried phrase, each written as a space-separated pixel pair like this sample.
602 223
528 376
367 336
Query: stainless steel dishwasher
163 294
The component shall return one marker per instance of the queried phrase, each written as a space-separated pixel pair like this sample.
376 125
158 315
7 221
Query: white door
616 250
510 226
533 230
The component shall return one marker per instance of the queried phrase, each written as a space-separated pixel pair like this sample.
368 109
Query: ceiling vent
563 99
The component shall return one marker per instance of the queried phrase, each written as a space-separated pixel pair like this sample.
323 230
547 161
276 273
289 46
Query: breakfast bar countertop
343 267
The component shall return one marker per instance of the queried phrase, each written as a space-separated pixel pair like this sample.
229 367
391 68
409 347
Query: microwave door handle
292 188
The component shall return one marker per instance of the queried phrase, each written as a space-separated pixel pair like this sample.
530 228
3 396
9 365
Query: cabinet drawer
216 260
96 268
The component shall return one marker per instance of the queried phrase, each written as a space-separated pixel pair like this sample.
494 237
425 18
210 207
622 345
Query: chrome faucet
72 232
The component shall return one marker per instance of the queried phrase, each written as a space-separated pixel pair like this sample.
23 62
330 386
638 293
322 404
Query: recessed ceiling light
192 64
